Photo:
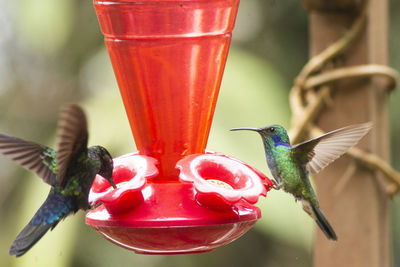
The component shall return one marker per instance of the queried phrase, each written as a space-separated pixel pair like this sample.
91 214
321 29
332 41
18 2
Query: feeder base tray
171 221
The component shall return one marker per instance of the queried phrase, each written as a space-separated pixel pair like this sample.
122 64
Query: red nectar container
172 197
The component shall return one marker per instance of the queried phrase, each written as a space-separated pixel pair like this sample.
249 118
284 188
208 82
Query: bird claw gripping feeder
172 196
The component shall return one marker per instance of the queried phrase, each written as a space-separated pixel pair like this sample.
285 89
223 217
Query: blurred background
52 52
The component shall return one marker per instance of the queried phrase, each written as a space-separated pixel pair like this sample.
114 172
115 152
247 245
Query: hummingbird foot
277 186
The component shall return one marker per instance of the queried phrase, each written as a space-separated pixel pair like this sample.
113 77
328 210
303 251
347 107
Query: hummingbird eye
272 130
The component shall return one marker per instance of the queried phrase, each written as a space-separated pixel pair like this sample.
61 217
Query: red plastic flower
221 181
130 174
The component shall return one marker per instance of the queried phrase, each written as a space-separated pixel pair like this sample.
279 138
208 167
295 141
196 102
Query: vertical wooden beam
360 212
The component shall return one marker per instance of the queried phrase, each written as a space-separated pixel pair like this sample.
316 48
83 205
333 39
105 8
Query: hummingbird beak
109 178
113 183
246 129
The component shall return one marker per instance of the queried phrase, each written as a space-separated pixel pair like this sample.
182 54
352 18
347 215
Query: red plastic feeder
172 196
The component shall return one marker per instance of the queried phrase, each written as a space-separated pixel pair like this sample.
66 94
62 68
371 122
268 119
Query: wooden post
360 212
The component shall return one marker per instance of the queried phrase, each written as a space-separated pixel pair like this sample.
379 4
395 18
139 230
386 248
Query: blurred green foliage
52 52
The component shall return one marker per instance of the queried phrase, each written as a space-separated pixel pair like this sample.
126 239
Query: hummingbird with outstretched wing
70 171
291 165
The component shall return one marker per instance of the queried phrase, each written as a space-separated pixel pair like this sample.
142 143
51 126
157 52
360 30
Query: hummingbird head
272 135
106 164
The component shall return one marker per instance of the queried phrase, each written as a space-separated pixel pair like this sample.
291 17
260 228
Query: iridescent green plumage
70 171
290 165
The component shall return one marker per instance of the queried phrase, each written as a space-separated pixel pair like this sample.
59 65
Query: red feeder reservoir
172 196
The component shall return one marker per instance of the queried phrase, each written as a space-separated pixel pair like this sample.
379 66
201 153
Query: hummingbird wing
34 157
319 152
72 138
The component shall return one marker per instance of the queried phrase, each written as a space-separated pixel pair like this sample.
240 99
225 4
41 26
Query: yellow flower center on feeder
220 184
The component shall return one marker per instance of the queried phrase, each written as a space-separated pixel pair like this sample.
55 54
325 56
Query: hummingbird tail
55 208
324 224
315 212
28 237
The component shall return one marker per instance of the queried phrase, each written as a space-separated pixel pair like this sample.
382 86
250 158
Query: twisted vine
307 103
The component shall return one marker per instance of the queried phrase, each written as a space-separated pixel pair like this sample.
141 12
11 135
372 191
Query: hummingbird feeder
172 195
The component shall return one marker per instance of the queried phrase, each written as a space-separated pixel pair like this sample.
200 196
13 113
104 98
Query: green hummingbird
70 171
291 165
